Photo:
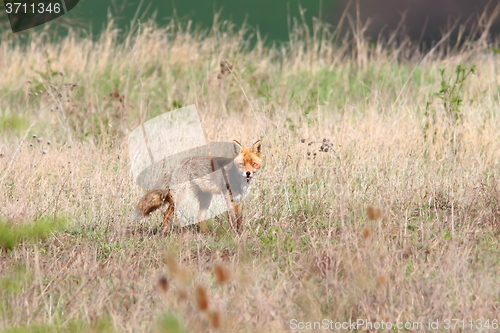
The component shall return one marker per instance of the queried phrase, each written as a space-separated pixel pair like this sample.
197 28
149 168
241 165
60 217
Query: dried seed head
31 145
225 67
28 82
201 298
48 142
1 154
222 273
163 283
302 140
381 279
34 136
182 294
366 232
39 139
172 265
44 152
214 318
61 73
373 213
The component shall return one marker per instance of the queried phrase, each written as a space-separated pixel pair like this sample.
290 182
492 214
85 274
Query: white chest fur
241 192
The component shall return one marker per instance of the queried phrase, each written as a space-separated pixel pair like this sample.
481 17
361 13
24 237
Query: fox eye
254 165
241 165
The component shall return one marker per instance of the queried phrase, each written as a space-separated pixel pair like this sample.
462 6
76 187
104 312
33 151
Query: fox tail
150 202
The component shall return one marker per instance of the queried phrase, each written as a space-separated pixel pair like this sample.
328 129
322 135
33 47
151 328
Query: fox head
247 159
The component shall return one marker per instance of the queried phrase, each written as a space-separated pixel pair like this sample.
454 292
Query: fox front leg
238 217
231 212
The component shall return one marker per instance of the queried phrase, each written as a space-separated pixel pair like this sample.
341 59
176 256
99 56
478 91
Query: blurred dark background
425 20
421 20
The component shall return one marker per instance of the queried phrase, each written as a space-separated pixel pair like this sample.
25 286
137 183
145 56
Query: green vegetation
11 234
451 93
169 323
13 122
98 325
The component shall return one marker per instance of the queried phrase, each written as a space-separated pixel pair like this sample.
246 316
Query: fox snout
249 174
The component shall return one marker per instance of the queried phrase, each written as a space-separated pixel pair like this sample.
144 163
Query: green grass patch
169 323
101 324
13 122
13 282
11 234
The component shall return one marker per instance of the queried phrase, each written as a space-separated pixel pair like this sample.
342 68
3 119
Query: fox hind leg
168 213
204 199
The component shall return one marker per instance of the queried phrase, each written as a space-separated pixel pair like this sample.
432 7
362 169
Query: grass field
379 198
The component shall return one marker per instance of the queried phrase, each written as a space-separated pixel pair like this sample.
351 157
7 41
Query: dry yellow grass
309 250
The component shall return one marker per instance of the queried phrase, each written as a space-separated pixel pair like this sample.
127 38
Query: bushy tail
150 202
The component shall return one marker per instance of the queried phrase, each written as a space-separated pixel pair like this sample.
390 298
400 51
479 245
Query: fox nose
249 173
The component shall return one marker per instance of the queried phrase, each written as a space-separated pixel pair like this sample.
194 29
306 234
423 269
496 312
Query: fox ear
237 147
256 148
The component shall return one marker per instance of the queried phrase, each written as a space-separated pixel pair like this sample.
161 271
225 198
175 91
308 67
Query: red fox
202 177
